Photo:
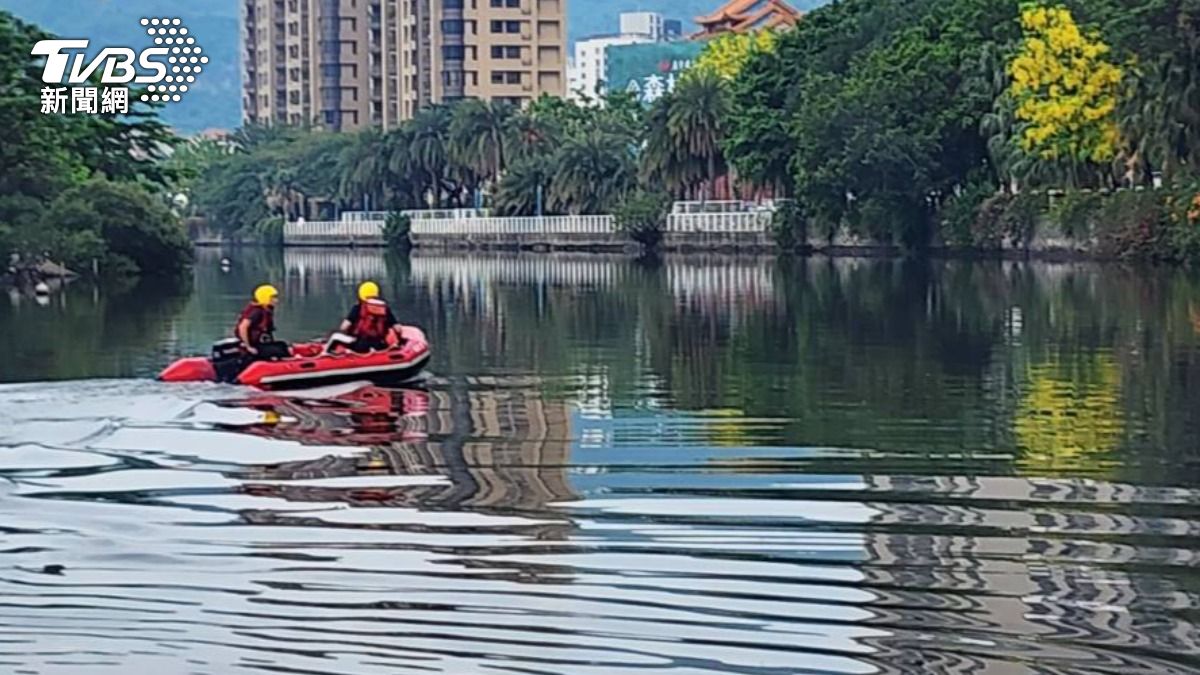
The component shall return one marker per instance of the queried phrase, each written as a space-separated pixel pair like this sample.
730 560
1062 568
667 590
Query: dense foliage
557 155
893 119
81 188
915 123
643 217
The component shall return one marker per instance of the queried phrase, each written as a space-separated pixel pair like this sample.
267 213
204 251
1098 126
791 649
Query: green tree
479 131
529 136
122 224
231 193
363 171
666 163
643 216
427 145
592 173
696 118
44 158
517 192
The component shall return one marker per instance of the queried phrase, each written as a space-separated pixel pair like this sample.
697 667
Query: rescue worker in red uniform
370 322
256 326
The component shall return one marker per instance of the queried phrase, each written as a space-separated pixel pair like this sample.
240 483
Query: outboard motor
227 359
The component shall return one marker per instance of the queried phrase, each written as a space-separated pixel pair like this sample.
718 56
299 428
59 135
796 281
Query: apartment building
346 64
649 24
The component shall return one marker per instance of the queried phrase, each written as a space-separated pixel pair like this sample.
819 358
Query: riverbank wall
741 232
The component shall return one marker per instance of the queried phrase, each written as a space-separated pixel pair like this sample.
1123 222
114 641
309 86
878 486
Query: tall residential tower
346 64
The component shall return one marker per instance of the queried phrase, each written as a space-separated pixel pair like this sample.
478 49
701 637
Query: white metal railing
414 214
528 225
446 214
713 206
334 230
720 223
357 216
354 229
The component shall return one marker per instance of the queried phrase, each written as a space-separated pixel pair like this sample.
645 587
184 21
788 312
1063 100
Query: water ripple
483 527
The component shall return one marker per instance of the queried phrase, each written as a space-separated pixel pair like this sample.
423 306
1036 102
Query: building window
452 4
506 26
511 4
452 78
506 52
452 26
506 77
454 52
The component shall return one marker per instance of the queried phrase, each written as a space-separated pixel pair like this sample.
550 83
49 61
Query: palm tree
529 135
364 170
1163 118
428 155
592 171
696 120
516 194
478 131
317 158
405 181
282 190
664 160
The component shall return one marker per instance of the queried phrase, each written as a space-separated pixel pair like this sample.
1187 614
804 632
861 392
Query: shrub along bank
1155 225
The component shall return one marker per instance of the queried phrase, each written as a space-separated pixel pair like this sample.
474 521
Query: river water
707 465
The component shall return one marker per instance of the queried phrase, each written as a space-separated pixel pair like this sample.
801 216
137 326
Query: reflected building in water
501 450
1031 590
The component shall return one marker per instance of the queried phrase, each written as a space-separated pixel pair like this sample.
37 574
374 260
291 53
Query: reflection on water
727 465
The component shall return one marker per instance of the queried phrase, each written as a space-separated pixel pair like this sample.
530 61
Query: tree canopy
82 187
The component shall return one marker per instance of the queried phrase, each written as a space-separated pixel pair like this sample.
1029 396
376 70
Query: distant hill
215 101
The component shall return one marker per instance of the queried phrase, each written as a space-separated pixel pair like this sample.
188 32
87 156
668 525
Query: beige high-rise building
346 64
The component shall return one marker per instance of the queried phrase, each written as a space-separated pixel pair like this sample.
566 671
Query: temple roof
741 15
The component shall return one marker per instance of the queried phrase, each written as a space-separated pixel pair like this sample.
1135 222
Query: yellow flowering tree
1065 88
727 55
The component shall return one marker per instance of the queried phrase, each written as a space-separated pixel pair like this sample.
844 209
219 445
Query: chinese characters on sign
85 100
649 71
653 87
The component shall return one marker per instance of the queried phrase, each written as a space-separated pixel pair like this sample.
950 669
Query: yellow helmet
369 290
263 295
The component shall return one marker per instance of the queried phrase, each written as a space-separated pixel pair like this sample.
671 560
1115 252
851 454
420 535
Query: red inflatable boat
310 366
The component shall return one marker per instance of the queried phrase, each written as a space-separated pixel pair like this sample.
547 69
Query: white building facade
587 68
649 24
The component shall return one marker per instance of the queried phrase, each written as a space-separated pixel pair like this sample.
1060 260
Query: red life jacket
372 324
262 330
